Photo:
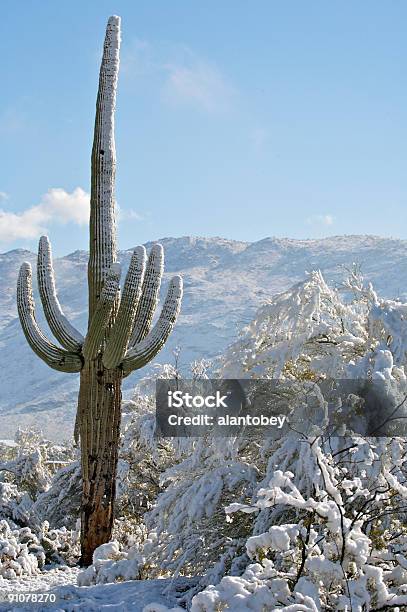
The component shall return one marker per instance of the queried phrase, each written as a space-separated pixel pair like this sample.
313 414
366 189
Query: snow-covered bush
15 506
197 478
24 552
342 547
60 545
322 510
141 458
111 564
20 552
313 329
60 504
329 514
34 461
33 488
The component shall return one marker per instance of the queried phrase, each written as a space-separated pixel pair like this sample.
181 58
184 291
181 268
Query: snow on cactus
120 337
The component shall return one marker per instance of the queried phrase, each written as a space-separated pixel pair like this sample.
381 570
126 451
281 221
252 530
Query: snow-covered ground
225 282
131 596
45 582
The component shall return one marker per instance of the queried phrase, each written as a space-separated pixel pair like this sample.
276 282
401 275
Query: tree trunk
99 412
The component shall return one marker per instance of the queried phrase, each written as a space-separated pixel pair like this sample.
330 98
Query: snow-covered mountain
225 281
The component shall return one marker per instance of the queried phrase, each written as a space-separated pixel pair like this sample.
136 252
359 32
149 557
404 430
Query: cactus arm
102 199
117 343
149 298
63 331
56 357
139 355
101 316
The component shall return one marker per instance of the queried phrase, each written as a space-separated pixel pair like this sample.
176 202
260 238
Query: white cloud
63 207
137 60
321 220
183 77
56 206
128 214
3 195
198 84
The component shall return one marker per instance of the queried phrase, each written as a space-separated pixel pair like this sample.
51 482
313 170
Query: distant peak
18 252
78 254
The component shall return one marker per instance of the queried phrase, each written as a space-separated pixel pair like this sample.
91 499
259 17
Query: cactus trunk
99 427
98 416
120 337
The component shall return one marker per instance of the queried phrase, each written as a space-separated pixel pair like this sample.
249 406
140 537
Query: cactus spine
120 337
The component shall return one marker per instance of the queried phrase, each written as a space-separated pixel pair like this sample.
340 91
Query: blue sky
234 119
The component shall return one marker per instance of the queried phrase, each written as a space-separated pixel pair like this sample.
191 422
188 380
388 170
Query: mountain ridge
217 239
225 282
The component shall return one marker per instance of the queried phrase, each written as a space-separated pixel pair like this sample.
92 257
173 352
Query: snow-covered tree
322 517
329 514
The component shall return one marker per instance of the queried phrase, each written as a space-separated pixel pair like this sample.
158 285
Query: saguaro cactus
120 336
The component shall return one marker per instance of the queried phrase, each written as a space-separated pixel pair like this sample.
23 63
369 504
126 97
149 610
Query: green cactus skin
120 337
